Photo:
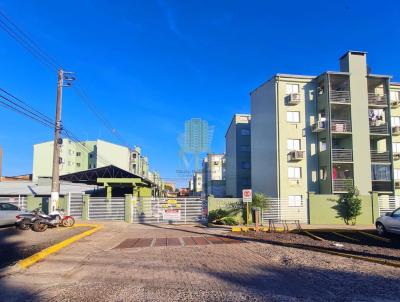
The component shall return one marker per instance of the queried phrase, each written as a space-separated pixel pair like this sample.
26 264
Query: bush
349 205
260 200
229 220
215 216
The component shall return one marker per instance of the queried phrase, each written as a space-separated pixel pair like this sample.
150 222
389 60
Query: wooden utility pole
55 178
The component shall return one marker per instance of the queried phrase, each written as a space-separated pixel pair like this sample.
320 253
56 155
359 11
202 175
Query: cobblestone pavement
93 269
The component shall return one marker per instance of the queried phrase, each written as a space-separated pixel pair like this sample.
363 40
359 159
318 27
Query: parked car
389 223
8 213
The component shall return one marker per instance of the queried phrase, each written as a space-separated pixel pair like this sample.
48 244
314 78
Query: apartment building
197 183
238 155
213 175
324 133
139 164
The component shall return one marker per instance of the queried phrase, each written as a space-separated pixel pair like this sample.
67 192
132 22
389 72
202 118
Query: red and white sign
171 214
247 195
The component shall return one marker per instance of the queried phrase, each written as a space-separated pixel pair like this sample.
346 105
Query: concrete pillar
109 192
128 207
85 207
374 206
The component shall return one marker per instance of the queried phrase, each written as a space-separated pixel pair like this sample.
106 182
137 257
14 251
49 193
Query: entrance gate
169 210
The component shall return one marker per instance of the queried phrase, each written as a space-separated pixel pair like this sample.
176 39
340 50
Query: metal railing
388 204
377 99
341 126
378 128
342 155
101 208
337 96
281 209
380 157
382 185
341 185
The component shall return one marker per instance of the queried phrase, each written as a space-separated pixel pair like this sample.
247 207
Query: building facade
213 175
197 183
238 155
325 133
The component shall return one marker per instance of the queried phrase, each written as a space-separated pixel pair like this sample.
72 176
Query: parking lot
16 244
127 262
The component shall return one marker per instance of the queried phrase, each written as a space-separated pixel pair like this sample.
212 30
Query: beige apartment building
324 133
213 175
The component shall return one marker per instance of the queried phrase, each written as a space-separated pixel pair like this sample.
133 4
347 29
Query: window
380 172
245 148
293 144
294 200
396 147
78 164
245 132
294 172
292 88
397 174
8 207
396 213
395 121
78 153
323 173
293 116
394 95
90 155
322 144
245 165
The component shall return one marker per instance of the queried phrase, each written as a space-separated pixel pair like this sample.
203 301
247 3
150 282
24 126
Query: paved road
16 244
112 265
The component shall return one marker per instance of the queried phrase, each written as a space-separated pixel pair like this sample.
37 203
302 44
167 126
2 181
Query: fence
75 205
19 201
280 209
102 209
388 204
167 210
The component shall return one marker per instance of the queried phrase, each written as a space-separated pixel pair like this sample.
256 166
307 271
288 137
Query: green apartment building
324 133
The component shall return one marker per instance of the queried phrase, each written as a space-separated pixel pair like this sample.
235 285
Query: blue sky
151 65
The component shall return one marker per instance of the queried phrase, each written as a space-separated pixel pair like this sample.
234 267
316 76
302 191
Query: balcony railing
342 155
380 157
375 128
341 126
337 96
377 99
342 185
382 185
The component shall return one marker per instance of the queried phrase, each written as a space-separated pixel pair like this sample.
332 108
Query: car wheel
380 229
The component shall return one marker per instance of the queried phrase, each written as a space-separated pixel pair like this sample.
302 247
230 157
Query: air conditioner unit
396 130
396 156
397 184
318 126
395 103
293 98
296 155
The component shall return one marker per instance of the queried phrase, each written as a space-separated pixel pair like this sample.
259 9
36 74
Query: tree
349 205
260 200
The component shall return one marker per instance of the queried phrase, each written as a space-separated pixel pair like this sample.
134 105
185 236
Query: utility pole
55 180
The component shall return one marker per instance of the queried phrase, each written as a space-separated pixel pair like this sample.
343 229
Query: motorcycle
53 219
25 221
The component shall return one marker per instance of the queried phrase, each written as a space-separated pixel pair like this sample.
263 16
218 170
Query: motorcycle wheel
23 226
68 222
38 226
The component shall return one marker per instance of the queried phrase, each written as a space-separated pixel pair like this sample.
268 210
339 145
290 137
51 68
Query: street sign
247 195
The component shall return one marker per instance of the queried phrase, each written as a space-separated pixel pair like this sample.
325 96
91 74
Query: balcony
341 126
318 126
378 129
296 155
396 130
381 186
341 97
377 100
293 99
342 155
342 185
380 157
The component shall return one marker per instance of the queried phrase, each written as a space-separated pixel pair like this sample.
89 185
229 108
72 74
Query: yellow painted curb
375 237
25 263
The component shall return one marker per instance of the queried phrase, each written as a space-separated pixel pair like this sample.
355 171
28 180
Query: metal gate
101 208
75 205
19 201
283 209
169 210
388 204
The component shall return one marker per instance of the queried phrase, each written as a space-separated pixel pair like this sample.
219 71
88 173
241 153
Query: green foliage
348 205
229 220
260 200
215 216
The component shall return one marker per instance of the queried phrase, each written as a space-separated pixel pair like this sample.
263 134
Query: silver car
8 213
389 223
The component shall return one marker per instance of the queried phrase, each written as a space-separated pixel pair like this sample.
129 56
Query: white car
8 213
389 223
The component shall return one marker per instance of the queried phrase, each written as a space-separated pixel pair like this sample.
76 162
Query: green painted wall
321 209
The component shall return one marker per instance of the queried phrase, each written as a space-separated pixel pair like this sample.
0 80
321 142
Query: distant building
238 155
197 183
139 164
213 175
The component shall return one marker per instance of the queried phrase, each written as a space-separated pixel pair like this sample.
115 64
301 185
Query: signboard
247 195
171 214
